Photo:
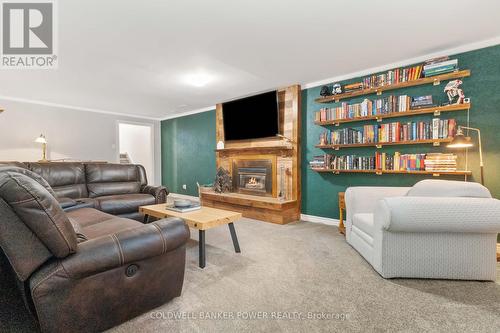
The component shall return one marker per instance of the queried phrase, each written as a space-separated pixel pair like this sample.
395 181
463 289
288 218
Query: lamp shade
460 141
41 139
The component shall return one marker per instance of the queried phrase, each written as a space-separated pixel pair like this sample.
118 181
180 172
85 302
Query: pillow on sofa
448 188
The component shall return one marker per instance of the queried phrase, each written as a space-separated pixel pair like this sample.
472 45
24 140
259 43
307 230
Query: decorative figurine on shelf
454 92
325 91
222 181
337 89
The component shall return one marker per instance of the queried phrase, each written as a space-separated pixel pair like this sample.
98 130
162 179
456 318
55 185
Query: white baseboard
319 219
303 217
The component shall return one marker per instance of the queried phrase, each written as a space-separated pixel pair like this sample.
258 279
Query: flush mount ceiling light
198 79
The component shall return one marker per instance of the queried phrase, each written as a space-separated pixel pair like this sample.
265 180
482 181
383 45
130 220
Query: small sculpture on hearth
454 92
223 182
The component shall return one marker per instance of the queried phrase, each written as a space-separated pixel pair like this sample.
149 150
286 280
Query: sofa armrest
159 192
438 214
363 199
125 247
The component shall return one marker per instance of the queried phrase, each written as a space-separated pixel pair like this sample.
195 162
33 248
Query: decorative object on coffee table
201 219
223 181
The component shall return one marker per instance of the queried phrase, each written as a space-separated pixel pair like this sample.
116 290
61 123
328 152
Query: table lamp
41 139
462 141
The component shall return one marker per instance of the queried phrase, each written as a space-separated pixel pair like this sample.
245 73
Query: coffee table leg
201 245
146 218
234 237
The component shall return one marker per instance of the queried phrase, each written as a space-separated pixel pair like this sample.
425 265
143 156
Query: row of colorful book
381 106
391 132
435 162
393 76
429 68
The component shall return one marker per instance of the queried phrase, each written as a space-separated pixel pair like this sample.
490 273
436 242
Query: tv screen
251 117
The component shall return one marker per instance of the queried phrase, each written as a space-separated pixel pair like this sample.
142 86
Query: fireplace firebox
253 177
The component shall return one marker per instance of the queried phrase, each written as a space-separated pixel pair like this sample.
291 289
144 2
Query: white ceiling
132 57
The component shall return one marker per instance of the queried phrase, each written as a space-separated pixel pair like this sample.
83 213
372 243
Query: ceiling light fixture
198 79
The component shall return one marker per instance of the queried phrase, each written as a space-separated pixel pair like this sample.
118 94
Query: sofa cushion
448 188
364 222
110 179
88 216
124 203
109 227
66 178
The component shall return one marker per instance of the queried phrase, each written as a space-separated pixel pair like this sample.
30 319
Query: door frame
151 178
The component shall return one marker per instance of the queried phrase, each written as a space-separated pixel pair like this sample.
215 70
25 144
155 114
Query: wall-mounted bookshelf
408 172
390 168
434 142
379 90
434 110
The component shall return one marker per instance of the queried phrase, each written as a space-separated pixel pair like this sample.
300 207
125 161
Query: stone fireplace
253 177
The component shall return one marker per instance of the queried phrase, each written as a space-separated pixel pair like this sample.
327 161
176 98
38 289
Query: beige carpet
290 273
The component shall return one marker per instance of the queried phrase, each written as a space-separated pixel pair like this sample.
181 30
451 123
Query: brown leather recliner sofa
117 189
85 270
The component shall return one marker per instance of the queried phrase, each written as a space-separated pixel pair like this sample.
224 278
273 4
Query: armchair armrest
159 192
438 214
363 199
127 246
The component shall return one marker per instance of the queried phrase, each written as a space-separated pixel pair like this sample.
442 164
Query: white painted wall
136 141
71 134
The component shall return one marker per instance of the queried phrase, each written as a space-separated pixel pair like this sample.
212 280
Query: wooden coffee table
201 219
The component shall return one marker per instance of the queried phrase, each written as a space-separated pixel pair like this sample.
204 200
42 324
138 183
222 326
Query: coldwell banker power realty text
28 34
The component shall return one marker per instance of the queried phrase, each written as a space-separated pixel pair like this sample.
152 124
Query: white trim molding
406 62
73 107
319 219
188 113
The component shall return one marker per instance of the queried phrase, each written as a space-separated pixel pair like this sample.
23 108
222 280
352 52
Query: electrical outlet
184 187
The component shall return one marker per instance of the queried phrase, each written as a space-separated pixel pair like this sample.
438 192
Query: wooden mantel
283 150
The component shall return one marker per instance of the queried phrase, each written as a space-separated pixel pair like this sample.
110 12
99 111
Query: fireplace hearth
253 177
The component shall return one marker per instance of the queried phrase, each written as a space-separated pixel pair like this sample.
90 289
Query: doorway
136 146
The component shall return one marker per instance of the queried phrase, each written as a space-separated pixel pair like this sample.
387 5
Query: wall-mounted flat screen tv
252 117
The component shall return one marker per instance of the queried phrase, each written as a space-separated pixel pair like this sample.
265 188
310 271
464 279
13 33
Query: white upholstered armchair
436 229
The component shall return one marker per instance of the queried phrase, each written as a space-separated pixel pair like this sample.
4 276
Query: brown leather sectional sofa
84 270
117 189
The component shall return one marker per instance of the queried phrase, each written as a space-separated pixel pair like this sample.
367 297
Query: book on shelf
393 76
391 132
440 67
438 162
366 108
421 102
441 162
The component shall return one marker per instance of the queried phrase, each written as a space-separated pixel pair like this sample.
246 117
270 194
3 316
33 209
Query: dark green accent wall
188 142
187 150
319 191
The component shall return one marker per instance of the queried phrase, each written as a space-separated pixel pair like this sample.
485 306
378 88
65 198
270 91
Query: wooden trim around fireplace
284 150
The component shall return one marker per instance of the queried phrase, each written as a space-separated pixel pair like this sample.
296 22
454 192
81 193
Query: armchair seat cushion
124 203
88 216
364 222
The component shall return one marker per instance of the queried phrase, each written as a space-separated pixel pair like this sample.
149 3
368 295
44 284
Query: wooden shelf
435 110
426 80
436 142
415 172
260 149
